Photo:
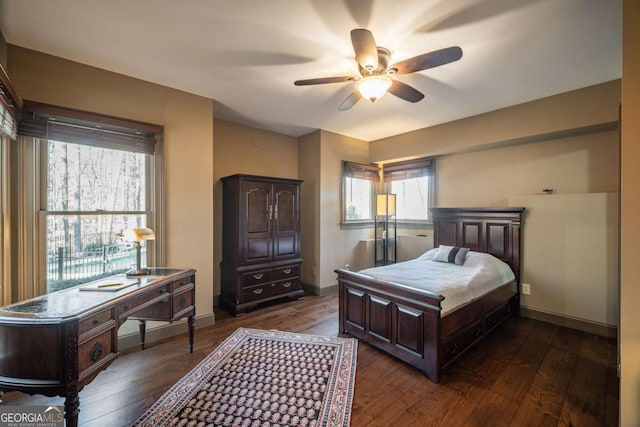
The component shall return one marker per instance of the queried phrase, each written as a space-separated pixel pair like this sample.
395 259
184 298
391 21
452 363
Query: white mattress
458 284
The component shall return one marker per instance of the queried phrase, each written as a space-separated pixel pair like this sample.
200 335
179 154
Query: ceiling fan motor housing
384 56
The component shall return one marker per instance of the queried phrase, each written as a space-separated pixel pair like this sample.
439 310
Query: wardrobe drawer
257 277
270 290
286 272
260 292
288 285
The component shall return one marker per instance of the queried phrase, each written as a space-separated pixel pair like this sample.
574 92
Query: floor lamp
385 229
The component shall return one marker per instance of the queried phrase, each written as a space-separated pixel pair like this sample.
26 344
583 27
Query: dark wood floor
527 373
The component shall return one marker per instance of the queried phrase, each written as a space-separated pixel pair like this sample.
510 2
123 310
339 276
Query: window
92 194
357 192
412 183
98 178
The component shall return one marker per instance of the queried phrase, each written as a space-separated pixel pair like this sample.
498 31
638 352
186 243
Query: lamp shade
138 234
373 87
386 204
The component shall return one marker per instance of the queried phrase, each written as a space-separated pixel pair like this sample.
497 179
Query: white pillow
451 254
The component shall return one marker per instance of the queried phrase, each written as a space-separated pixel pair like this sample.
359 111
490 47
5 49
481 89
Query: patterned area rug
264 378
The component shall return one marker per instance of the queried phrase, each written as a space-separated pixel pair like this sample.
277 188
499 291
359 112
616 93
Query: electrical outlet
526 289
313 270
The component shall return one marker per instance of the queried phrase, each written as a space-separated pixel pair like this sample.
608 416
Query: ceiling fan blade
404 91
428 60
350 101
365 48
323 80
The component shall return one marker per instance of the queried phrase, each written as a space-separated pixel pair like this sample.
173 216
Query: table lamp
136 236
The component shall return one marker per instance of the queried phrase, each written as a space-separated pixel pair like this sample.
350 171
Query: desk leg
142 326
71 407
191 322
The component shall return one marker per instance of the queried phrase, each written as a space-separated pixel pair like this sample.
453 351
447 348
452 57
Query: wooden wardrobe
260 241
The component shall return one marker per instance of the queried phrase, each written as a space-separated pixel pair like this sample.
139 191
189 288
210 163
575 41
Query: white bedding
459 284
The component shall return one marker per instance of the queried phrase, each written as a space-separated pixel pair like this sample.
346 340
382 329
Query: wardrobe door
286 236
256 224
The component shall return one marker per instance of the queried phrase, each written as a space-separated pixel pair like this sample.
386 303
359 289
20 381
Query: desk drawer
138 303
182 282
181 301
95 321
95 349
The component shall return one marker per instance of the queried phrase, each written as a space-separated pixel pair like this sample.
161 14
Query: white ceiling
246 54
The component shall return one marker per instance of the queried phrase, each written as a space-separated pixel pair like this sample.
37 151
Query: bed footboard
401 321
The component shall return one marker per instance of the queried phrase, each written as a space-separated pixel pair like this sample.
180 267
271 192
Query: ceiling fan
375 73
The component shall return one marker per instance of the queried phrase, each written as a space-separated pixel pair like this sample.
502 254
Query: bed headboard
496 231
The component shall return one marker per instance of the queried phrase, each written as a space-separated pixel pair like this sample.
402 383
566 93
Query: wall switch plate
526 289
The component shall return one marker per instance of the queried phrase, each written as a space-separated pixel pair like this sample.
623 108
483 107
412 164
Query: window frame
365 171
10 105
38 121
398 171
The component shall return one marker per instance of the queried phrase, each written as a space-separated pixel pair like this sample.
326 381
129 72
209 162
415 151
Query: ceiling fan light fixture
373 87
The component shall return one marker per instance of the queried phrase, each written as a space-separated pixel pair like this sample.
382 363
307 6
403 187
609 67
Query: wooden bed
406 322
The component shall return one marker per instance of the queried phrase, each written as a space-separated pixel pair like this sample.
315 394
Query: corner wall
337 246
310 171
630 218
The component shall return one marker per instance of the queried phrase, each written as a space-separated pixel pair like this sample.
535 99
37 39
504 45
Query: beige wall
527 122
586 107
246 150
577 164
188 145
310 171
570 258
630 218
337 246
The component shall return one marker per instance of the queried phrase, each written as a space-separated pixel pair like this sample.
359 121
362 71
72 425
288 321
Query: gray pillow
451 254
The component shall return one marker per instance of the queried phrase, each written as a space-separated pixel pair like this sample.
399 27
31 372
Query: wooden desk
57 343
